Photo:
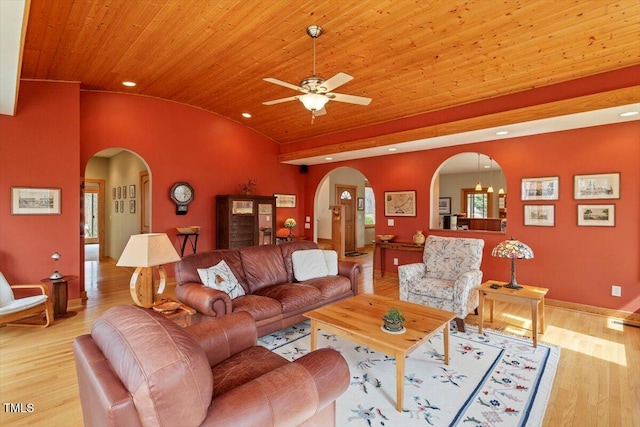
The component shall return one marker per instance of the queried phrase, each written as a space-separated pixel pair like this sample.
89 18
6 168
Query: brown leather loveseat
138 368
273 297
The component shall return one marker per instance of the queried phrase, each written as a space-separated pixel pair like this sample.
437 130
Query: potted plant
393 320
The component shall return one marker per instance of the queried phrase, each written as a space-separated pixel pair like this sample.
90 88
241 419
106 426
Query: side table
187 237
182 316
60 296
528 295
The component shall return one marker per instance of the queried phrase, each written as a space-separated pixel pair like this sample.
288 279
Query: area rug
492 379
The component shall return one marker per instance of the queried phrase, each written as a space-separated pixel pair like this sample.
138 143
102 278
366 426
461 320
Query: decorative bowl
192 229
386 237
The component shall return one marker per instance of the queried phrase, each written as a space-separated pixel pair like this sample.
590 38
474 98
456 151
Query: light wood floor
597 382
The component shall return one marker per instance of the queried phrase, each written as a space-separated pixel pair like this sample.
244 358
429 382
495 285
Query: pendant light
478 185
490 189
501 189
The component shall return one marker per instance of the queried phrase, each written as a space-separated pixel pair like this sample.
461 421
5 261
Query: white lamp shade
314 101
148 250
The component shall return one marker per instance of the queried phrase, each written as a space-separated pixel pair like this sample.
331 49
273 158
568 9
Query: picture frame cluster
599 186
120 194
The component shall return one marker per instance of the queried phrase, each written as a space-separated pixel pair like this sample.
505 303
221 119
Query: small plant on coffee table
393 320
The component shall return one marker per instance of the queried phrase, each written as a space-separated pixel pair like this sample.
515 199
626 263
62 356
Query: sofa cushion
263 266
331 259
330 286
292 296
309 264
222 278
243 367
259 307
287 248
154 357
187 268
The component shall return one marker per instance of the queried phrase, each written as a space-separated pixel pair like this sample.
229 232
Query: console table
379 246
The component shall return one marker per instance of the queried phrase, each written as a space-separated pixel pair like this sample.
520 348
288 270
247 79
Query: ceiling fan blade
334 82
285 84
281 100
351 99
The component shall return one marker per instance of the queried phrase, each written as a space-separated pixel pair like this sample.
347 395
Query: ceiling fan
316 90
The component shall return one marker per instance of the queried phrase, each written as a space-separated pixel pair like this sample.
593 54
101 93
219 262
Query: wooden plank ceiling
409 56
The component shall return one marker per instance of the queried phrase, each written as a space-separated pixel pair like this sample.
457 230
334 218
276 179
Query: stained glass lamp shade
512 249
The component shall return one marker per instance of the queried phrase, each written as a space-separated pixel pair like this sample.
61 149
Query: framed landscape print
545 188
597 186
35 201
597 215
285 200
540 215
444 205
400 203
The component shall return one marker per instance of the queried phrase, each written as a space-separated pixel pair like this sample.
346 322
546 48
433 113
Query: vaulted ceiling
410 57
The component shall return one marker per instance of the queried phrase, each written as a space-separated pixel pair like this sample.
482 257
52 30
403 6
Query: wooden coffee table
359 319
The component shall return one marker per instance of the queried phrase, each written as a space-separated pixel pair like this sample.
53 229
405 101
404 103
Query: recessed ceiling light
328 158
629 114
246 115
392 149
129 84
502 132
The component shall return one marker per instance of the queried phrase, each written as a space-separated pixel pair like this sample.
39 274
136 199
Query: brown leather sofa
273 297
138 368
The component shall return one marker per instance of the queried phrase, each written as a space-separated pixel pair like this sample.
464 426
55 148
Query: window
369 207
477 204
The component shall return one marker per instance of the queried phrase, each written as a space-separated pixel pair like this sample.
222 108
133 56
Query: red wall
577 264
40 147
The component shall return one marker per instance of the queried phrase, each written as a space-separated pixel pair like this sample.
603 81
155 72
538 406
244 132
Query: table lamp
512 249
56 275
147 252
290 223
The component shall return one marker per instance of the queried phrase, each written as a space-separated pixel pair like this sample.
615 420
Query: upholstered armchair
447 278
137 368
12 309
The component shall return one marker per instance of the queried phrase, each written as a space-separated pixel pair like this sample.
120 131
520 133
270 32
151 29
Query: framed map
400 203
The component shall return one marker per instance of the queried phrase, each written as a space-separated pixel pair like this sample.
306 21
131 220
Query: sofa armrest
288 395
209 301
352 270
409 274
222 337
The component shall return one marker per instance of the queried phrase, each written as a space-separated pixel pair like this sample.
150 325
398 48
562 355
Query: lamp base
512 285
55 276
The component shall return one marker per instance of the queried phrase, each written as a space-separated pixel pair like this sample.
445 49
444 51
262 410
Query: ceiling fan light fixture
313 101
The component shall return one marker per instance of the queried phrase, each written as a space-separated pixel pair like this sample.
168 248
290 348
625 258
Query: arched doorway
115 204
349 187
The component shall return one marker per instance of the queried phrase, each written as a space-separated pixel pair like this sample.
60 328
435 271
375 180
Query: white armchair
12 309
447 278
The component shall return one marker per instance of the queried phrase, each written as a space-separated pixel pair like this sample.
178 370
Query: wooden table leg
492 305
445 335
400 359
481 312
541 305
534 322
314 338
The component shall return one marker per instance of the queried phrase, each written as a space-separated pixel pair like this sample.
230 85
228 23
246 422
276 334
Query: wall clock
182 194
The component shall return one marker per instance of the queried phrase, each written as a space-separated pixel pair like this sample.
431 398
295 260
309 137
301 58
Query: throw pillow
308 264
331 259
221 277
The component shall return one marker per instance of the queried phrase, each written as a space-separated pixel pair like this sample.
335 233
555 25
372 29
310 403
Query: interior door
145 203
346 195
94 223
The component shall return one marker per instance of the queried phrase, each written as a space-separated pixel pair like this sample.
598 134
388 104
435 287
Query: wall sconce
147 252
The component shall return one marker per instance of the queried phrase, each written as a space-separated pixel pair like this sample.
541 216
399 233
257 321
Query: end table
59 297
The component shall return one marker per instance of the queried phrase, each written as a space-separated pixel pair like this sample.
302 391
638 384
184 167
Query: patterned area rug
491 380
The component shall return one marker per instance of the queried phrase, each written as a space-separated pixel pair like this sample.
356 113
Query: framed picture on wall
122 206
598 186
545 188
285 200
400 203
117 205
113 193
132 191
444 205
119 191
35 201
132 206
540 215
124 191
597 215
360 203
